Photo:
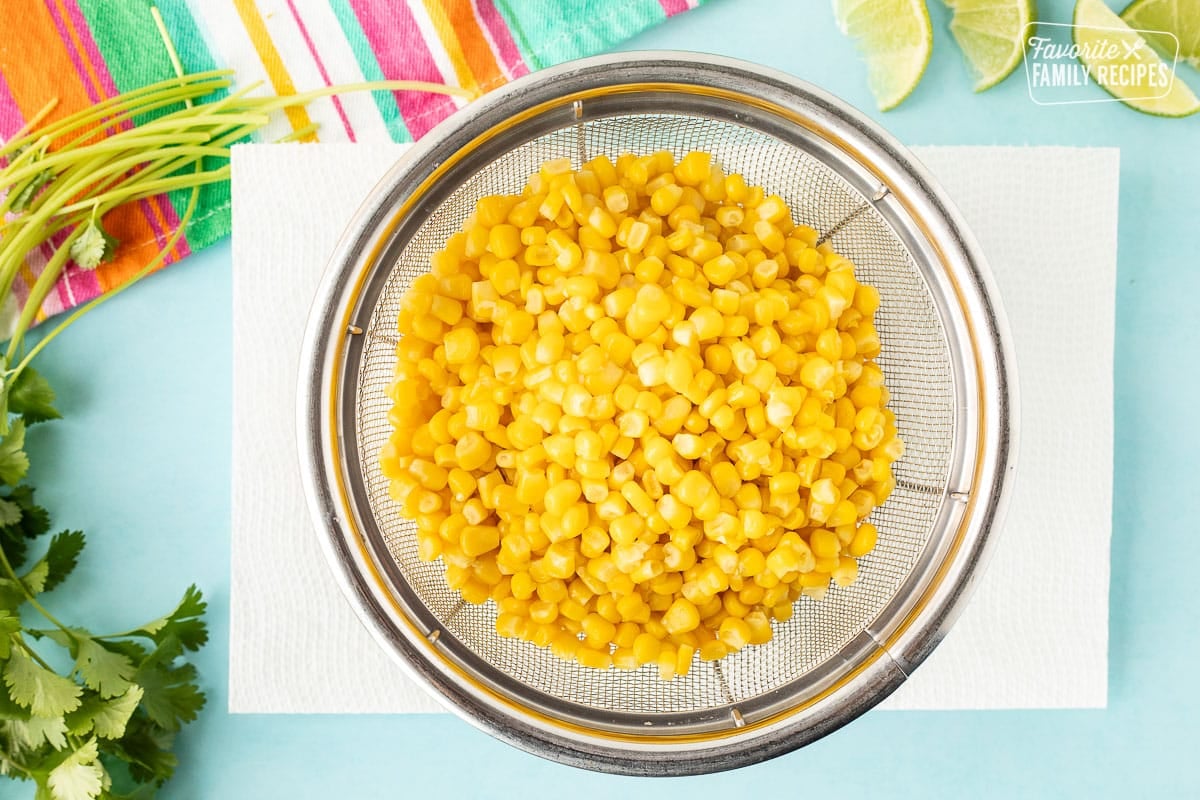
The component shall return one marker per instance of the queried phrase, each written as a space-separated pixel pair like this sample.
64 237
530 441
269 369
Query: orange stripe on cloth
138 247
32 38
454 50
476 47
253 22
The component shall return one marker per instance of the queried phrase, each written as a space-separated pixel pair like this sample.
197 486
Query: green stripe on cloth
135 55
550 31
369 65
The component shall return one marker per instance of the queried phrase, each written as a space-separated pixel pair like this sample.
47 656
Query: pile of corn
636 406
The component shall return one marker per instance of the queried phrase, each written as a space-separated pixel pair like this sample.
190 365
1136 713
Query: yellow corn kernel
844 513
687 445
646 648
846 571
681 617
665 198
637 498
707 322
593 658
735 633
693 168
598 630
472 451
479 539
824 543
720 270
725 479
864 540
713 650
462 345
825 492
693 488
561 496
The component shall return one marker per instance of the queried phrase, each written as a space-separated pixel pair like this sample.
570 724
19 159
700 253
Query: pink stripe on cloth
81 284
403 54
74 54
90 50
75 285
500 38
312 49
11 120
673 7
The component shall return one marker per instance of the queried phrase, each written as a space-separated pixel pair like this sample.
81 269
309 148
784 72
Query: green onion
67 175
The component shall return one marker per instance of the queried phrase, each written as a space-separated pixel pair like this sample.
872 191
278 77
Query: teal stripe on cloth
369 65
212 222
549 31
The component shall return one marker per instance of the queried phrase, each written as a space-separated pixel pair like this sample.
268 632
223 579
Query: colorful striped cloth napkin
82 51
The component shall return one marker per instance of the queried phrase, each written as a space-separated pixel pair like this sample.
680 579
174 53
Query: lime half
1179 17
991 34
895 37
1120 61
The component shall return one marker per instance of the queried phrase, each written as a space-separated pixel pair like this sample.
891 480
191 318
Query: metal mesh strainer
945 357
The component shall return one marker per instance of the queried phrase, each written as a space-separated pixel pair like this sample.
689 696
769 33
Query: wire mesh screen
915 360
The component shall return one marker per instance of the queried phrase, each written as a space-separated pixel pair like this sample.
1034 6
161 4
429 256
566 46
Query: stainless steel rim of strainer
893 196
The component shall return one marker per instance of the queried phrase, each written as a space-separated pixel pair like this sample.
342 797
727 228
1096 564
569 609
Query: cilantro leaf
13 461
93 246
32 398
146 747
45 693
35 578
171 696
62 556
10 513
30 190
9 710
33 732
80 776
184 623
101 669
108 718
113 717
33 522
128 648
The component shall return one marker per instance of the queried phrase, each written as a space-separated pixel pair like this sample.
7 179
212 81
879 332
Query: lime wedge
1113 53
991 34
896 38
1180 17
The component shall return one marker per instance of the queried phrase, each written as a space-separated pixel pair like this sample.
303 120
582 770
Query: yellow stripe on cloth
253 22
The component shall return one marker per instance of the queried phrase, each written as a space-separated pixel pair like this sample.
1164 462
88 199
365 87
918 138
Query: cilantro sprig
102 723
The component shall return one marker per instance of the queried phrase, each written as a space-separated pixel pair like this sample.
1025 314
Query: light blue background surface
141 462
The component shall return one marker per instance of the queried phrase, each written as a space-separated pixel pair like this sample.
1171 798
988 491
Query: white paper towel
1034 636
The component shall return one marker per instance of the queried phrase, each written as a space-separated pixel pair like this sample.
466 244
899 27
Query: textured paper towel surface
1035 634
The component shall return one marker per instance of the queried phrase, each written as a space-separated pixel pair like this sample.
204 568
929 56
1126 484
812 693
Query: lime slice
991 34
1115 69
1180 17
895 37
